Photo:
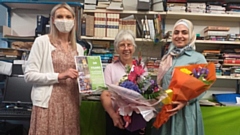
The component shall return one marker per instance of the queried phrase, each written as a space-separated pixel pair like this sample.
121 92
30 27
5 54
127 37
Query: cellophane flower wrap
135 96
187 82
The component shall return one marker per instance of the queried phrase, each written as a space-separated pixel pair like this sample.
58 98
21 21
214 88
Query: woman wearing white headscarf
186 117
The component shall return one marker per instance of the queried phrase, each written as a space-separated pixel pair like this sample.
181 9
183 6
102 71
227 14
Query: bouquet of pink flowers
135 96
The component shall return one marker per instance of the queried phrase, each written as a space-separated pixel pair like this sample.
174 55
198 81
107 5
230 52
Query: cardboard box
10 52
4 30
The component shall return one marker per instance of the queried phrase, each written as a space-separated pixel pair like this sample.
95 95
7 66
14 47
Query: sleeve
108 74
80 50
34 65
200 59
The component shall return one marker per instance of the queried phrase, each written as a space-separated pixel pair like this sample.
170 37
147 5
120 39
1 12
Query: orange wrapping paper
185 87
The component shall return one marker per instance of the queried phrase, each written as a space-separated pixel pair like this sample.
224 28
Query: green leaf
152 95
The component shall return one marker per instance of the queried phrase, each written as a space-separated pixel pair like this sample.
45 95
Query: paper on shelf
5 68
238 100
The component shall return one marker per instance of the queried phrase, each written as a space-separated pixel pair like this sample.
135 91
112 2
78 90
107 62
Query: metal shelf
111 39
124 12
34 5
19 39
203 16
212 42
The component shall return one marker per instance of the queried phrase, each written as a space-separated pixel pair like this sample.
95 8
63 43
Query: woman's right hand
70 73
117 120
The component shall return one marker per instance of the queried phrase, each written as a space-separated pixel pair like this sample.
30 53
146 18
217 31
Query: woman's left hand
178 105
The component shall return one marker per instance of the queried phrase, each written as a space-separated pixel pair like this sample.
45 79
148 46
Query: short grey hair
124 35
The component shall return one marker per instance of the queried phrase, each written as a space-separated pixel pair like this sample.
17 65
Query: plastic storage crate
226 97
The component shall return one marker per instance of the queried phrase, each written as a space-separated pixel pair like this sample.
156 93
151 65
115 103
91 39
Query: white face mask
64 25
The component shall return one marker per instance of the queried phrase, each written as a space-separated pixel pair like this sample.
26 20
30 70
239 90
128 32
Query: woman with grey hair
125 46
51 69
186 117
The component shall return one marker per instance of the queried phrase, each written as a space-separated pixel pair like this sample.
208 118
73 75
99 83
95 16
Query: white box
130 4
157 5
90 2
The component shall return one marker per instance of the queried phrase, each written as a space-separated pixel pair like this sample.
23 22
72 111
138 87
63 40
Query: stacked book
215 8
233 37
113 24
102 49
232 60
87 25
153 65
102 4
149 28
90 4
217 33
233 8
196 7
108 24
115 5
128 24
176 7
212 55
215 57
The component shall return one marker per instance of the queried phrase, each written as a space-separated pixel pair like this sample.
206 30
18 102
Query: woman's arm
107 105
34 63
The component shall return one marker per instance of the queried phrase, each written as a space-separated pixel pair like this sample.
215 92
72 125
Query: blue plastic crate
226 97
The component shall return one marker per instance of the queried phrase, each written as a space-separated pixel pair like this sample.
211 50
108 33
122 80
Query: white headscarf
166 61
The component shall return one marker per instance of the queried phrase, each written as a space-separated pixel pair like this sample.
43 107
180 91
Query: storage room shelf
218 77
111 39
202 16
34 5
228 77
124 12
19 39
213 42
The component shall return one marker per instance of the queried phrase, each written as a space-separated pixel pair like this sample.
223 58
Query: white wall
3 15
24 22
200 25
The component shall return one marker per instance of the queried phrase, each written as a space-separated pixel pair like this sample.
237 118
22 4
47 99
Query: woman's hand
117 120
70 73
178 105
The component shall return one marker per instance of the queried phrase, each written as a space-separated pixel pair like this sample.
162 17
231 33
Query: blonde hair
54 31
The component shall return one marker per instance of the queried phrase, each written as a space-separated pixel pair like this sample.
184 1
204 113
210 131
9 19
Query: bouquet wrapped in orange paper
187 82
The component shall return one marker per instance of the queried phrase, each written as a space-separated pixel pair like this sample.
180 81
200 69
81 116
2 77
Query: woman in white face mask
51 69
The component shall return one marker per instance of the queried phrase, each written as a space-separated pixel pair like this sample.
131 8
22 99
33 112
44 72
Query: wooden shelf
124 12
111 39
202 16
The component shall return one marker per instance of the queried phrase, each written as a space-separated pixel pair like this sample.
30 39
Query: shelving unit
202 16
111 39
124 12
31 5
166 16
211 42
34 6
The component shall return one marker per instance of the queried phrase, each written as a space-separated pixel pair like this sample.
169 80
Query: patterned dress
62 115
